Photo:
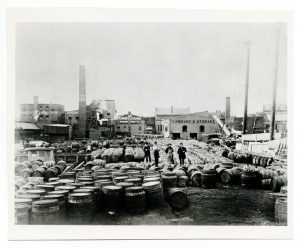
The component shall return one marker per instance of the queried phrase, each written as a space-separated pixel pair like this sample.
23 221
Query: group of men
169 152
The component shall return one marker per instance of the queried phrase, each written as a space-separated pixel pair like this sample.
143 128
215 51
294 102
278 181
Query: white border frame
62 232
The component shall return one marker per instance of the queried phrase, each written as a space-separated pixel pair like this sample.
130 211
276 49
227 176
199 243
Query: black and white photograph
150 123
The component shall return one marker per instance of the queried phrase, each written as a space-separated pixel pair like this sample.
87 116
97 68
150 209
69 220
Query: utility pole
273 110
246 89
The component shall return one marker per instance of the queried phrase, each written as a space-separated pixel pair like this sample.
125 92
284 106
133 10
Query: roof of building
199 114
57 125
26 126
172 111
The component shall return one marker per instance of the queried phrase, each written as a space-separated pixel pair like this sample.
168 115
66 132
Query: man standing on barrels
156 153
147 152
181 153
169 151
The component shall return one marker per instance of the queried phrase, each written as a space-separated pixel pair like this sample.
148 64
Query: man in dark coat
147 152
181 153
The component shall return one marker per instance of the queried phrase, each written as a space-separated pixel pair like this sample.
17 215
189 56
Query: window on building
52 109
77 118
108 113
184 129
129 128
201 129
47 116
166 129
140 128
70 118
125 126
118 127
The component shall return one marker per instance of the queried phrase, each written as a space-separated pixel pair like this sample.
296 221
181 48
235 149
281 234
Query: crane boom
223 126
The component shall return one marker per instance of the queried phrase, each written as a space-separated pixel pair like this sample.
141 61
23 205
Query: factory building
162 115
130 125
189 126
42 113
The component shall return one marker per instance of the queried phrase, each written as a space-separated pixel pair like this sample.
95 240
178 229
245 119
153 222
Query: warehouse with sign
190 126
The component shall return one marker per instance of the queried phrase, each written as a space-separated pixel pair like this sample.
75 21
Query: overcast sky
146 65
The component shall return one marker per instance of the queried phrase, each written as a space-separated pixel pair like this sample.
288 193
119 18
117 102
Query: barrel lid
66 187
36 191
81 190
55 183
54 196
23 200
169 173
112 187
59 192
125 184
29 196
66 180
90 187
44 186
121 178
151 179
20 206
133 180
134 189
102 181
80 195
86 179
76 184
150 184
53 179
69 173
48 202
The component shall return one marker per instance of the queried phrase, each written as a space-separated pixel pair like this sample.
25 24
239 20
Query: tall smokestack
227 108
82 103
35 103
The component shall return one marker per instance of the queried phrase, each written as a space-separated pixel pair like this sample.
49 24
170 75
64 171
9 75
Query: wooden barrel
39 172
191 169
66 187
113 195
46 187
55 184
21 214
231 176
281 208
154 194
27 172
68 175
249 179
196 178
80 208
125 185
209 179
45 212
179 172
103 177
61 202
77 185
269 205
135 199
88 183
85 179
135 181
60 192
39 192
120 179
278 182
266 184
177 199
66 181
169 180
148 173
33 197
119 174
182 181
51 172
53 179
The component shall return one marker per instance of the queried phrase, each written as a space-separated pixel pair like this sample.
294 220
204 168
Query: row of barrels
77 197
264 178
248 158
44 171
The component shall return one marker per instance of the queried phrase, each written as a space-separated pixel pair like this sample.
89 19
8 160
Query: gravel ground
221 206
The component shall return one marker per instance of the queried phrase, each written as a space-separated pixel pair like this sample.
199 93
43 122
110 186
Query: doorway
176 135
193 135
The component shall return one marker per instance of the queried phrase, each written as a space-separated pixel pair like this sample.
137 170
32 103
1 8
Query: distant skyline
146 65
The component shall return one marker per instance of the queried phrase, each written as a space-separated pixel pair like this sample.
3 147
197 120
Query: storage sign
194 121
